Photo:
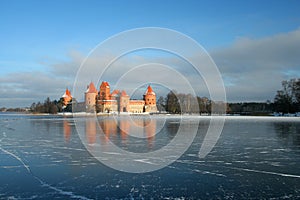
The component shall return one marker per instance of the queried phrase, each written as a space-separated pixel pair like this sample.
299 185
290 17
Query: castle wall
136 106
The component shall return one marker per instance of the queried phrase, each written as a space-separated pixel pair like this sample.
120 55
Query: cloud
64 68
23 88
134 71
254 68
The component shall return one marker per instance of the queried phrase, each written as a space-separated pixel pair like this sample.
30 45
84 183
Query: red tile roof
123 93
149 91
91 88
115 92
67 94
104 83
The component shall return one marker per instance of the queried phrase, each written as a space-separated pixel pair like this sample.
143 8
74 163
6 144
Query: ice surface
42 157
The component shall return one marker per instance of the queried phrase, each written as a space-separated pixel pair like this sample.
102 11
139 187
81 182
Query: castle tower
104 93
67 97
150 100
90 98
104 103
124 102
114 98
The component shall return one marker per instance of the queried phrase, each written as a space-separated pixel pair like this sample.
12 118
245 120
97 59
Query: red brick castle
117 101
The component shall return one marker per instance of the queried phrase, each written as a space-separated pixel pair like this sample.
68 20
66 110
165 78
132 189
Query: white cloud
24 88
251 68
132 69
254 68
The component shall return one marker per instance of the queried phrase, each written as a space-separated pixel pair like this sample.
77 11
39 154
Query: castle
118 101
66 98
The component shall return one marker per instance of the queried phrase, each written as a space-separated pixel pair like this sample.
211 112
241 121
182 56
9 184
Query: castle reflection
91 131
122 129
67 130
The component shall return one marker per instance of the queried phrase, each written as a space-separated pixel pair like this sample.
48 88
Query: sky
255 44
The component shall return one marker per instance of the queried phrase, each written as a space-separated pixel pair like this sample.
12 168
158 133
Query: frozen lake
43 157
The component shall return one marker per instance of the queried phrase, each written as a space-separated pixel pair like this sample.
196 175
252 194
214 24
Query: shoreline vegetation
286 103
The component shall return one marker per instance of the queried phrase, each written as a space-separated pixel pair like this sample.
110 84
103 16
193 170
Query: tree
296 89
161 105
287 100
204 105
172 103
33 107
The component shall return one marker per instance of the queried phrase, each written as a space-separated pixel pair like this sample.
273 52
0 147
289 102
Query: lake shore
167 115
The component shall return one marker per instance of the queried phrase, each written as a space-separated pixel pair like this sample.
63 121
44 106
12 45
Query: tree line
286 100
178 103
51 107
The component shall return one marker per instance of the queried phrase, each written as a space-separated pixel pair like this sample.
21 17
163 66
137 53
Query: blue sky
38 36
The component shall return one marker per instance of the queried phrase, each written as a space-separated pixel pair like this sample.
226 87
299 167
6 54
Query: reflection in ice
42 157
67 131
120 130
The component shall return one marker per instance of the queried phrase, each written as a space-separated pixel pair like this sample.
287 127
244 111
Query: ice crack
266 172
44 184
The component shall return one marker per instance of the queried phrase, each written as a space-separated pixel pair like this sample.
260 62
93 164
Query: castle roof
149 91
104 84
91 88
123 93
115 93
67 94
